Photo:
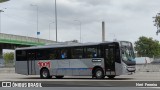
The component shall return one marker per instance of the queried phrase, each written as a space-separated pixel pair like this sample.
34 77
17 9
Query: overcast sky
124 19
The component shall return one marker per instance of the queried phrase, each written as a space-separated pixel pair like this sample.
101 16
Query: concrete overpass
9 41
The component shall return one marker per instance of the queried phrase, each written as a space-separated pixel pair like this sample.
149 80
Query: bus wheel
98 73
44 74
111 76
59 77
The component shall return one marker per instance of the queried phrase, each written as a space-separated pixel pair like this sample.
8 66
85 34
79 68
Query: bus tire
98 73
111 76
44 73
59 77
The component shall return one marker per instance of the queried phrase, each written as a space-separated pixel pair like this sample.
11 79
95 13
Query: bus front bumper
131 68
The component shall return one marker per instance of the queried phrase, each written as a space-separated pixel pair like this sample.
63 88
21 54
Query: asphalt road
86 81
123 82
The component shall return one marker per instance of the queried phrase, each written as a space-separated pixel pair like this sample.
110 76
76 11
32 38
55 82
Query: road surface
86 81
123 82
139 76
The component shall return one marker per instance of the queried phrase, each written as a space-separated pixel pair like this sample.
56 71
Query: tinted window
63 54
31 55
91 52
52 54
46 54
42 54
77 52
99 52
20 55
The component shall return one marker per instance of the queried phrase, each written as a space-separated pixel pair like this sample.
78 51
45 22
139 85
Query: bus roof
65 44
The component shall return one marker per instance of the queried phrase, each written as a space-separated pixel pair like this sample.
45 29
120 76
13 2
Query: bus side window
99 52
77 53
91 52
21 55
64 54
52 54
31 55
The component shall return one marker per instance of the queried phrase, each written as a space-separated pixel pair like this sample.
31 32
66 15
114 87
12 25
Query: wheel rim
98 73
45 74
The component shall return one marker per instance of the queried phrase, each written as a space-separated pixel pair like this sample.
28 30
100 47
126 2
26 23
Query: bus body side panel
63 67
118 68
124 69
91 63
21 67
76 65
87 67
79 67
54 67
37 68
51 65
84 67
32 67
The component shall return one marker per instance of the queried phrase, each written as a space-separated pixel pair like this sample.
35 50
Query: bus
80 59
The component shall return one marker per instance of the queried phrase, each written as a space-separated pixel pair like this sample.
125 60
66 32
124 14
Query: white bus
88 59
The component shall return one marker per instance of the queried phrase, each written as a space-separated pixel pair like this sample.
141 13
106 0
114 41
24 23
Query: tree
157 22
8 57
147 47
1 1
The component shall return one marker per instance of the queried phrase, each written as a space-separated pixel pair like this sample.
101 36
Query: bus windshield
127 55
127 51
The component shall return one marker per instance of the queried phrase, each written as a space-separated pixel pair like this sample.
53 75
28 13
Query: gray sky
125 19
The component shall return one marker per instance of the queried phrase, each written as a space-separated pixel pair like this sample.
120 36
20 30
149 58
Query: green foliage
8 57
1 56
147 47
157 21
3 1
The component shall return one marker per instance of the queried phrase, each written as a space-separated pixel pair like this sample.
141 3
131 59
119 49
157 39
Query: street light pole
37 20
0 19
50 29
56 19
80 29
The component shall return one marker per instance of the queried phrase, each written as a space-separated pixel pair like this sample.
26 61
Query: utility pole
37 21
103 31
0 19
56 19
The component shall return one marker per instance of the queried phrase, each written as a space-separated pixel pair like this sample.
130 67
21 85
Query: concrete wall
7 70
148 68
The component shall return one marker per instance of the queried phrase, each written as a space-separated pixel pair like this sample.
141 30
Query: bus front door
109 57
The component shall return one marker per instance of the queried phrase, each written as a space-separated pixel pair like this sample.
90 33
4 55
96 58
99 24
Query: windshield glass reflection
128 55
